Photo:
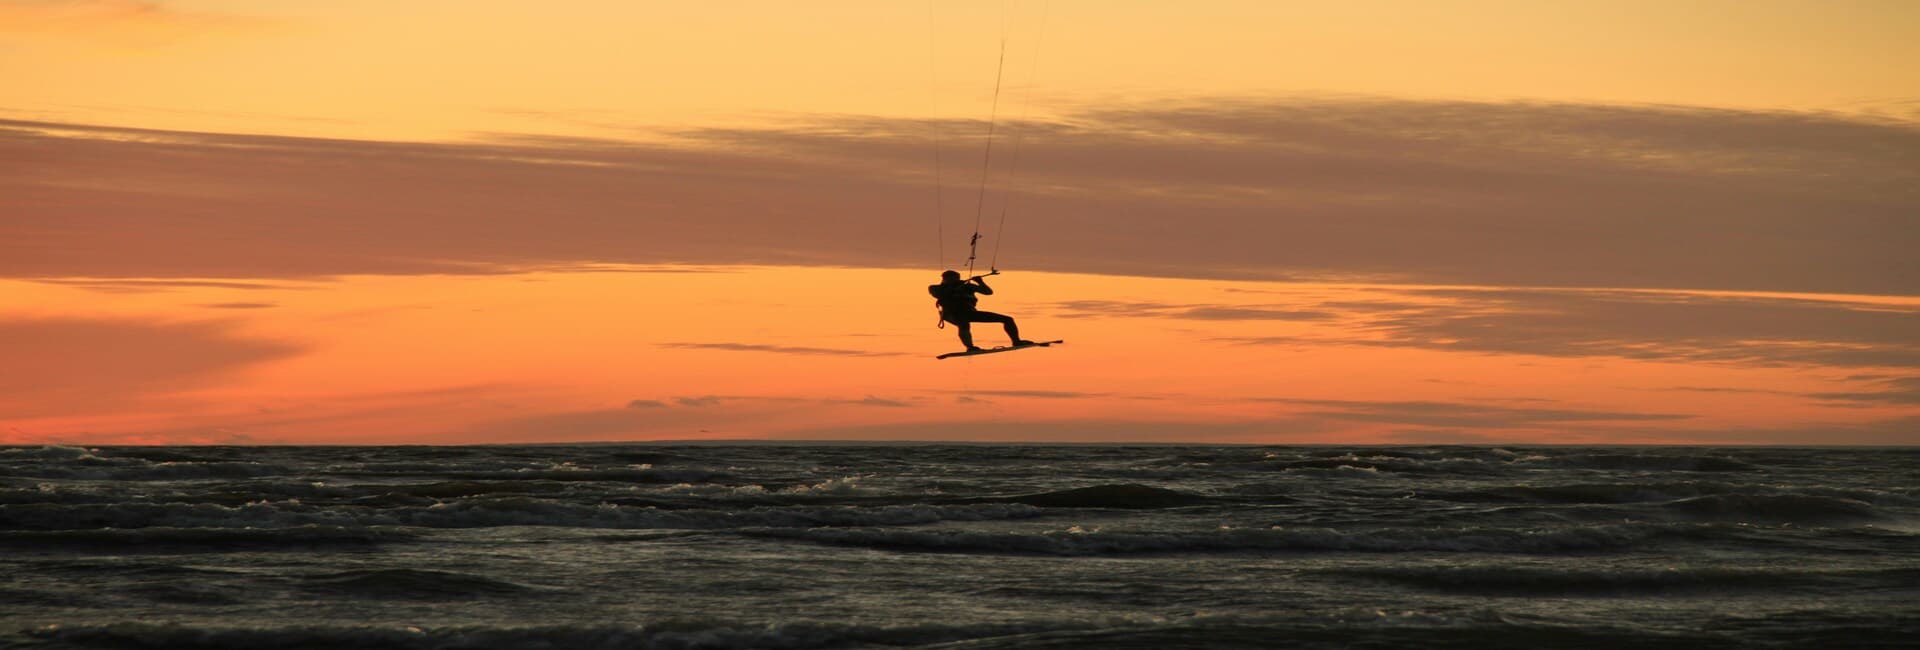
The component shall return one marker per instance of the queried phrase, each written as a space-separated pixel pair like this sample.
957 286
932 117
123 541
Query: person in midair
957 305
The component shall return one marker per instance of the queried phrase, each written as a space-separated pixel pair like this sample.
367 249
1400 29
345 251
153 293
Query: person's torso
954 297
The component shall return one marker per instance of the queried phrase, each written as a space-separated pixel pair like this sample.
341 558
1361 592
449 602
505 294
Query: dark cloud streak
1897 390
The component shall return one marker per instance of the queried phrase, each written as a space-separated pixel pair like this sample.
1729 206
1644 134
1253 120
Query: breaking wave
1787 508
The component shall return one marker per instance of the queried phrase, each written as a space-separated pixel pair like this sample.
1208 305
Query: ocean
958 546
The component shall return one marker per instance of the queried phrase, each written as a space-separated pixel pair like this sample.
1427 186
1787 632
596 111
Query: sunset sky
482 221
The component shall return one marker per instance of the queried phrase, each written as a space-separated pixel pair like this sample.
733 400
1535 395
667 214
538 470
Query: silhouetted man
957 306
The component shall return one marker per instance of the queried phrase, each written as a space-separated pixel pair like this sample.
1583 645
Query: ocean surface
958 546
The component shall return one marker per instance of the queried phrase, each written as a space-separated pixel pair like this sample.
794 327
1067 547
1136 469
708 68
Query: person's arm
984 289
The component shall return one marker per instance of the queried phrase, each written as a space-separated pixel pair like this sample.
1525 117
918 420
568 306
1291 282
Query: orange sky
1388 222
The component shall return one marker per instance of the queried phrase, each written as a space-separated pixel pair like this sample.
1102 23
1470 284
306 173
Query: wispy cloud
593 424
879 401
1643 325
1455 414
1720 389
1899 390
1138 309
781 349
701 401
1249 313
146 285
1037 394
76 365
134 24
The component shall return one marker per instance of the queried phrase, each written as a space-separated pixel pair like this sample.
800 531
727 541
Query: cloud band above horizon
1406 191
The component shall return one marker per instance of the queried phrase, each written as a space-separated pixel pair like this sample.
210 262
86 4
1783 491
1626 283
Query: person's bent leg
1013 330
965 330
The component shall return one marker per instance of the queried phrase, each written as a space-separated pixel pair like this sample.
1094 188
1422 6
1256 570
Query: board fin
1008 348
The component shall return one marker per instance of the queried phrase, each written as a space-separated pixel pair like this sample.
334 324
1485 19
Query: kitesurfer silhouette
956 299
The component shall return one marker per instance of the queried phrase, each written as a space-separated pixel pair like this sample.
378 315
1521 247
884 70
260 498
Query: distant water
958 546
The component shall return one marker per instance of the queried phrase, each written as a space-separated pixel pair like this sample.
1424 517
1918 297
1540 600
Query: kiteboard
1009 348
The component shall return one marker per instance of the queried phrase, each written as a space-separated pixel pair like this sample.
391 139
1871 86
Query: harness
958 294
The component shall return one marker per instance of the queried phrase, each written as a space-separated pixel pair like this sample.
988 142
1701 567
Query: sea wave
48 453
95 468
1368 627
485 512
678 635
49 493
1695 501
1585 492
1370 453
413 583
614 475
645 457
1644 462
1783 508
1123 496
1626 581
169 539
1083 542
124 568
1391 463
464 488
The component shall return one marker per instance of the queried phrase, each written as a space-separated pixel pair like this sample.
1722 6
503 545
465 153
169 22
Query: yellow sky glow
435 71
